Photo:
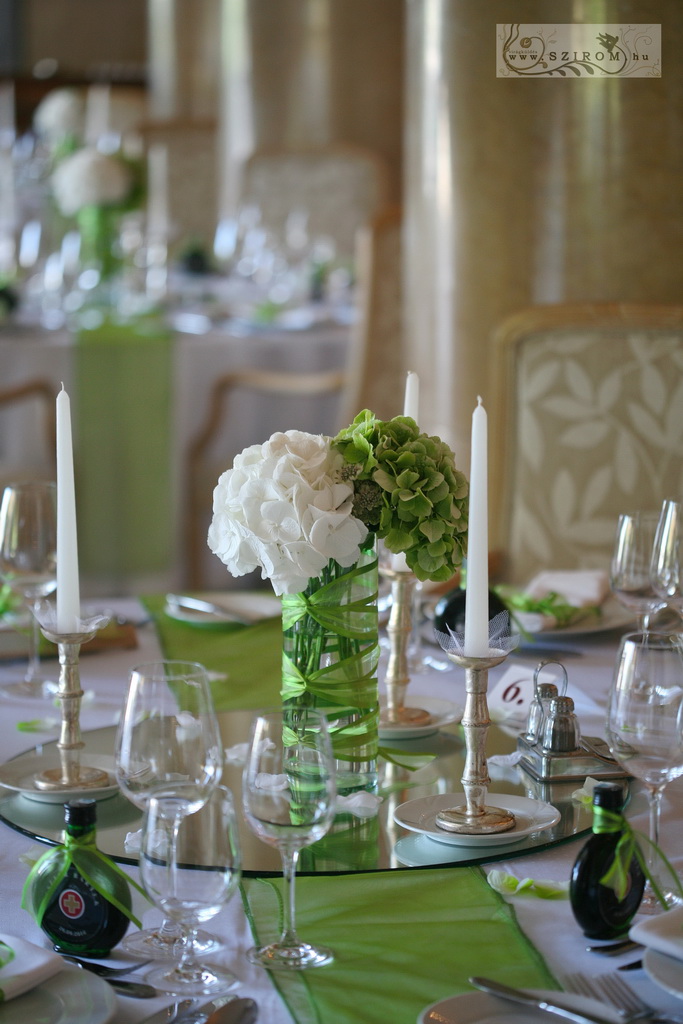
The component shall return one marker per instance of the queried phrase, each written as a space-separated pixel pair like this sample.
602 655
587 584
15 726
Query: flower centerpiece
96 189
307 509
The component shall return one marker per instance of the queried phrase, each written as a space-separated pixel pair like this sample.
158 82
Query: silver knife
169 1014
495 988
195 604
199 1014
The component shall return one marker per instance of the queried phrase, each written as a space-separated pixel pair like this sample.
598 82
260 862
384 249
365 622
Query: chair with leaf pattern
587 423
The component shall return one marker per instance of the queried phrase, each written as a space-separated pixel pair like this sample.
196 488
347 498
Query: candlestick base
475 817
71 774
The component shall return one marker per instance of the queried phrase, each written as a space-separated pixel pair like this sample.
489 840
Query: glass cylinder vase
329 662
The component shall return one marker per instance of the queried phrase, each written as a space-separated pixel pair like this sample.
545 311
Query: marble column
526 192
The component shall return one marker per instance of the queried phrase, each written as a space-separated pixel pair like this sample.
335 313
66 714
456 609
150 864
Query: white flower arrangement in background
60 115
283 507
91 178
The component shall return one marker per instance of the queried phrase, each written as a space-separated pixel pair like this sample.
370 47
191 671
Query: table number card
512 695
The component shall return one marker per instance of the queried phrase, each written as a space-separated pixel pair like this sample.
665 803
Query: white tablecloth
549 925
198 360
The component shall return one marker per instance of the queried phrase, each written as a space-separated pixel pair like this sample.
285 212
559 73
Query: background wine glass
288 795
190 867
645 726
666 571
168 740
630 566
28 564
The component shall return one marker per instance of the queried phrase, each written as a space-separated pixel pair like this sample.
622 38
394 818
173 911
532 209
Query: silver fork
613 988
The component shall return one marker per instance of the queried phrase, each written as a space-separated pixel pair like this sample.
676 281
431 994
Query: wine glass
666 570
168 739
28 564
288 794
630 566
190 867
645 724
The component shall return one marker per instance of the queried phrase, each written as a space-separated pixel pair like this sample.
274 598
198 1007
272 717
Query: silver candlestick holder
475 816
70 774
399 630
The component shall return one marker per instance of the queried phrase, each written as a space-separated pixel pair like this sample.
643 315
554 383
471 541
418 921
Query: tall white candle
411 402
68 594
477 588
97 112
157 190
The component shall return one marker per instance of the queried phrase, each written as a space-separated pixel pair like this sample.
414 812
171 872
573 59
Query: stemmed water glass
666 571
28 564
645 726
630 566
168 741
190 867
288 794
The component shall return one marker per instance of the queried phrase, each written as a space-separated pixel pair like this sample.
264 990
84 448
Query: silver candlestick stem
71 774
399 629
475 817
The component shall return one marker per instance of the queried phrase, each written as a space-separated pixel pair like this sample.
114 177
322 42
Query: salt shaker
560 734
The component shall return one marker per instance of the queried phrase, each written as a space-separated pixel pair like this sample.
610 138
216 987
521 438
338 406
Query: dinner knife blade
169 1014
195 604
496 988
199 1014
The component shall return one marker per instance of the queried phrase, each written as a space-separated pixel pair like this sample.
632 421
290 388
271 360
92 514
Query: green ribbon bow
80 854
617 875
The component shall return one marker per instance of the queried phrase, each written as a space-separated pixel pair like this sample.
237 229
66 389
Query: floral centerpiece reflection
307 510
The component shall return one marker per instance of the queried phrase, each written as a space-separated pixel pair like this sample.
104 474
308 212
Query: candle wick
479 400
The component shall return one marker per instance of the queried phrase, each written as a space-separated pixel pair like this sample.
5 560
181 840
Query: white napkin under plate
663 933
31 966
580 587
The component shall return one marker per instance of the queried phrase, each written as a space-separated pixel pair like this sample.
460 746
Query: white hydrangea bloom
90 178
60 114
284 509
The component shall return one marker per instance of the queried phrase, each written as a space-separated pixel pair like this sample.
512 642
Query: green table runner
402 940
250 656
122 438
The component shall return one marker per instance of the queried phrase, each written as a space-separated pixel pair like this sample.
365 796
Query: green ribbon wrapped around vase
98 227
330 656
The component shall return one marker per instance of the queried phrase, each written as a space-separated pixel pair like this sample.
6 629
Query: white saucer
419 815
72 995
19 774
481 1008
665 971
443 712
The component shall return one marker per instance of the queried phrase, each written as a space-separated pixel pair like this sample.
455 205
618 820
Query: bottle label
77 913
71 904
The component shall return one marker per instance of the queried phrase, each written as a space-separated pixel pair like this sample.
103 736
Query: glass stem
188 966
655 800
290 860
33 666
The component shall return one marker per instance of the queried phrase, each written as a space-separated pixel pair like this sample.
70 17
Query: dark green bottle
597 908
75 909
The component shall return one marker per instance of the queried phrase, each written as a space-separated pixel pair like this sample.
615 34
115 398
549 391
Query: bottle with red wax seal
79 897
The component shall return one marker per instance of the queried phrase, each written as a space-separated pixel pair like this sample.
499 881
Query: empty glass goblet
288 795
167 738
190 867
666 570
645 726
28 564
630 566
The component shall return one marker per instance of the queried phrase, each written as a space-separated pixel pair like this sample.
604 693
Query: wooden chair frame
44 390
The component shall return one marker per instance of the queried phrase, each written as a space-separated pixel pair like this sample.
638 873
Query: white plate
250 606
19 774
480 1008
70 997
665 971
443 712
614 616
419 815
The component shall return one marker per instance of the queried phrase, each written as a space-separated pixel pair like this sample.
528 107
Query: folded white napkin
580 587
662 932
30 966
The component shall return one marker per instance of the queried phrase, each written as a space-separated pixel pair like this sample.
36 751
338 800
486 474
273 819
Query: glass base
651 905
155 944
209 980
277 957
30 689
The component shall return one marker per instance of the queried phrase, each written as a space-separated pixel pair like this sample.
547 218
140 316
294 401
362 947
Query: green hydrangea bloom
408 491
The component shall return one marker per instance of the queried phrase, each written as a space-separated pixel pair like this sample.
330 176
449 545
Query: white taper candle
477 587
68 593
